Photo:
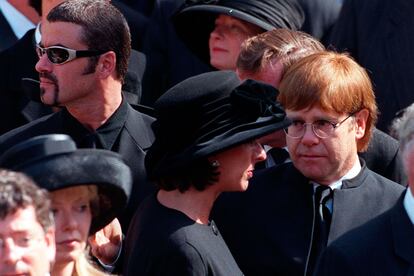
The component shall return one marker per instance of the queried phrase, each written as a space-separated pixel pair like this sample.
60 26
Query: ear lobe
361 123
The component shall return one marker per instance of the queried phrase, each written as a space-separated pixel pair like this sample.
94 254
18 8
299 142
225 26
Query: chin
63 257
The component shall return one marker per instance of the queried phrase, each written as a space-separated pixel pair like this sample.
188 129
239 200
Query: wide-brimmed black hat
194 21
54 163
207 114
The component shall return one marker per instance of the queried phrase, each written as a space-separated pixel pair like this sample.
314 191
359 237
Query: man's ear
361 123
107 64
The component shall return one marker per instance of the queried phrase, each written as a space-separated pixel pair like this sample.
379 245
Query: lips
68 242
218 49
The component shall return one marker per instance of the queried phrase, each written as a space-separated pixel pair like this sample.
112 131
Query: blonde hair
84 267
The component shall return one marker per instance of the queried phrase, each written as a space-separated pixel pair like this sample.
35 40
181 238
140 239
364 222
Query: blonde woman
88 189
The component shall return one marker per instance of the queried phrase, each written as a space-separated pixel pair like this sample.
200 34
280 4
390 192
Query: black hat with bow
207 114
54 163
194 21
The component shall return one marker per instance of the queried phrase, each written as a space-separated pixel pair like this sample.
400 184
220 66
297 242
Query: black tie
322 195
322 223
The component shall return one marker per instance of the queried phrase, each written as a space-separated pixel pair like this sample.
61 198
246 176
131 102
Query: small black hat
207 114
194 21
54 162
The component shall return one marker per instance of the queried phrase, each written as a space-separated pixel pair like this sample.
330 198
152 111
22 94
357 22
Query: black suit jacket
8 38
383 157
380 36
383 246
19 103
269 227
133 141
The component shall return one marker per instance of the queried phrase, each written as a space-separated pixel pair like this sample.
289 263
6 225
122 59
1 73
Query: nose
309 137
260 152
217 33
43 64
69 221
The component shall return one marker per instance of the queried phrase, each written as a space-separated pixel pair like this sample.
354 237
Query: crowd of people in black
206 137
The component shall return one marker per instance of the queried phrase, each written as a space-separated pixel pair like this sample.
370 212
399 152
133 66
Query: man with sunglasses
83 59
19 81
291 212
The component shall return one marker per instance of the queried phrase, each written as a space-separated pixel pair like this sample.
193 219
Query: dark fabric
16 63
164 241
18 106
383 157
137 22
104 137
134 138
169 60
224 113
323 219
268 228
195 19
8 38
383 246
279 155
320 17
379 34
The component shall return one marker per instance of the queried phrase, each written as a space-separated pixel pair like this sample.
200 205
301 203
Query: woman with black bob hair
206 143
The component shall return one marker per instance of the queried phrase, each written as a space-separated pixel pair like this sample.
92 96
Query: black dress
165 241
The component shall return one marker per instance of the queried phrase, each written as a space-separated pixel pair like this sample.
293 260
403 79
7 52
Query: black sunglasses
61 55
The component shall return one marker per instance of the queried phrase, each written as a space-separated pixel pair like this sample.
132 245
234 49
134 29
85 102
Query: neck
95 111
195 204
63 269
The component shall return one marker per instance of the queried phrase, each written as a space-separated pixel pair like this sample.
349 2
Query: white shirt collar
19 23
354 171
409 204
38 34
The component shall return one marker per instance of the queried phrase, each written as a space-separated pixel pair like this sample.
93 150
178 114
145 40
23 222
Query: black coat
383 246
169 60
8 38
18 104
383 157
132 142
269 227
379 34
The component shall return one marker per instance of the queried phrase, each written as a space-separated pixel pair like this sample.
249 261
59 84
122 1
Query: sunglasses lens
57 55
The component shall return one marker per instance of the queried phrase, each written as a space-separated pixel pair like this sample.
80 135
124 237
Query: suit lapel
403 235
6 33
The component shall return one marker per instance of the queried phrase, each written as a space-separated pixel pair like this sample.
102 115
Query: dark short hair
18 191
200 174
104 28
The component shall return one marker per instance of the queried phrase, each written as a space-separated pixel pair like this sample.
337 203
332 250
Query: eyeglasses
322 128
61 55
20 241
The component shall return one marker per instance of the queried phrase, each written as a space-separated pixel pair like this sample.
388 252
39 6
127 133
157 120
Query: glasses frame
334 125
72 54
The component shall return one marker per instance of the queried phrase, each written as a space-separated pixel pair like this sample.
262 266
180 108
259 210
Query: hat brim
84 167
231 138
203 16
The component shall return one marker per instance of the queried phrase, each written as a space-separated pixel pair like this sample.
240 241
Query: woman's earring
215 163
